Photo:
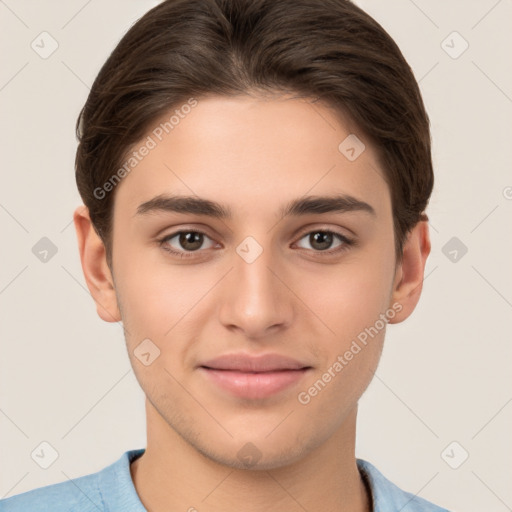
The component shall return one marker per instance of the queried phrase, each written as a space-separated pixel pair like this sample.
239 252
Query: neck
173 475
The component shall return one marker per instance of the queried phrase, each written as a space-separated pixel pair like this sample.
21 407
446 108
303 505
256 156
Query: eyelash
347 242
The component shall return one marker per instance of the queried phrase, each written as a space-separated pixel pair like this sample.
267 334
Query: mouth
251 377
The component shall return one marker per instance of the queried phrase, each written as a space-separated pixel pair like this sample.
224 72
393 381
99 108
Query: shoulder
78 494
387 497
89 493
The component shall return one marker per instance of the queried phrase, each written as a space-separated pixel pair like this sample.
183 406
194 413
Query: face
263 298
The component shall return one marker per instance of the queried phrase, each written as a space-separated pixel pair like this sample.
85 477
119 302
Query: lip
254 377
246 363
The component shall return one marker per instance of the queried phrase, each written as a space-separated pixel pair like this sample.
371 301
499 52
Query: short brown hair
324 49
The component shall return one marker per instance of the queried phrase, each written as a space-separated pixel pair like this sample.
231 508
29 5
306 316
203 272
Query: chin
257 452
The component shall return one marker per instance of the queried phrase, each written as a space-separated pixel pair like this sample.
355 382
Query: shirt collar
118 491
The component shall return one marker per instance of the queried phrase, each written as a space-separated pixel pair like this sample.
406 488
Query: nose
254 299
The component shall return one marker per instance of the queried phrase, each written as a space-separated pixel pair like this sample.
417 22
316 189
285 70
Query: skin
253 155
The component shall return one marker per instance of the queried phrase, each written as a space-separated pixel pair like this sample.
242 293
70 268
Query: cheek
354 307
153 306
160 300
338 386
347 300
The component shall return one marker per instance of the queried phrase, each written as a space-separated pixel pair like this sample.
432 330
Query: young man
254 176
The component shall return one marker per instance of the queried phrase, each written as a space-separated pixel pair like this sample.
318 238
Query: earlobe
409 276
94 265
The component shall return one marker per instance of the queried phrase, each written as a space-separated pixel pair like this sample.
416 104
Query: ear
94 265
409 274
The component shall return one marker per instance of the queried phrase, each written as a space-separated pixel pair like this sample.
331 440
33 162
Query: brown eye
323 240
183 242
190 241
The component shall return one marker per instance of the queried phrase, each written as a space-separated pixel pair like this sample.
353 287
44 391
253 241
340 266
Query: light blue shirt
112 490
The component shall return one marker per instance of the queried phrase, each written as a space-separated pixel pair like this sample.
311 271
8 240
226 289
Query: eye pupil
191 241
321 240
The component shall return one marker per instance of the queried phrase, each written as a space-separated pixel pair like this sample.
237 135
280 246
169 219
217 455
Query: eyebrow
340 203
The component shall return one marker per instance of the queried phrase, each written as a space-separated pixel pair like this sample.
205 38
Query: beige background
445 373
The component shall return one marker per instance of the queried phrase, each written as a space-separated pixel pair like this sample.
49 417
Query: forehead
252 153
